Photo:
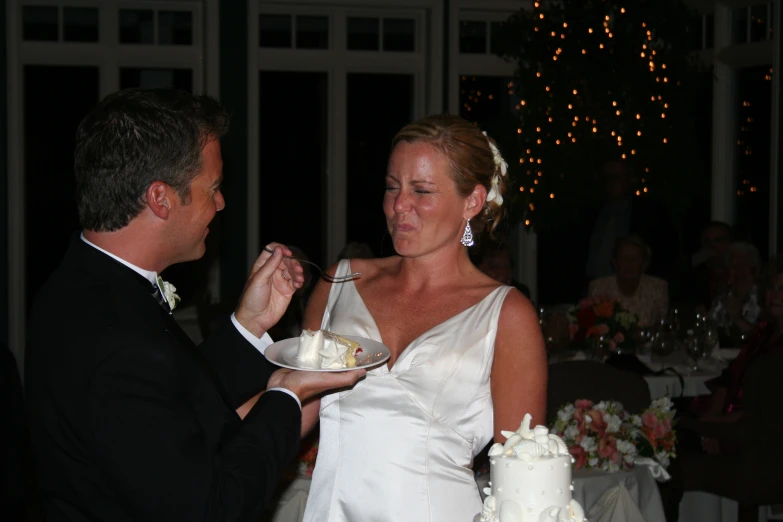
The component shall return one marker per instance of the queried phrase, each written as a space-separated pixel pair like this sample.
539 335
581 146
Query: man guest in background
130 420
621 214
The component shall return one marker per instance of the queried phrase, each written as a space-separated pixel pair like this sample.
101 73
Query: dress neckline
415 341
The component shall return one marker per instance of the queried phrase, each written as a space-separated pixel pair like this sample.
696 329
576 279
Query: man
130 420
621 215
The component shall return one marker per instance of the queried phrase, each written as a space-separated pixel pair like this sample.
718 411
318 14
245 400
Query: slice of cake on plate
327 350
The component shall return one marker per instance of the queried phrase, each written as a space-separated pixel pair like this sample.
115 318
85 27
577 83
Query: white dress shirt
152 277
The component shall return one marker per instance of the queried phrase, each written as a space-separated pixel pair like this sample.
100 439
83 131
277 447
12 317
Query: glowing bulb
538 75
642 55
590 30
574 91
584 51
622 9
638 116
547 88
554 58
613 133
538 129
522 102
638 193
519 131
639 133
663 115
610 35
541 16
600 46
607 18
521 189
665 79
573 140
557 142
623 156
570 106
550 120
595 129
633 151
665 140
565 24
645 189
552 34
614 104
532 190
551 196
527 222
617 113
538 141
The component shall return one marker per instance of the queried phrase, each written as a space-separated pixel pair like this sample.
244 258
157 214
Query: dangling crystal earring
467 236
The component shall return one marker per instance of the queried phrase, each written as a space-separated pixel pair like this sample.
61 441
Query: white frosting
530 479
323 349
310 344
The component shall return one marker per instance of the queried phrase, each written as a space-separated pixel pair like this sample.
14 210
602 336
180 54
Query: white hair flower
501 168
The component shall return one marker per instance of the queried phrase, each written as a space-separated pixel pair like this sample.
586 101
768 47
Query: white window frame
108 55
728 58
470 64
424 64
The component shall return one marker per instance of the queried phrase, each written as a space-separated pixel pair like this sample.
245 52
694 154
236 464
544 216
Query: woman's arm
519 369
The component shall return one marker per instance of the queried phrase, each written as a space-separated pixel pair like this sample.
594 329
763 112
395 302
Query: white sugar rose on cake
327 350
530 479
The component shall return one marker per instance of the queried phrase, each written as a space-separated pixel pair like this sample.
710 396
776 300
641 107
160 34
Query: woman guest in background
643 295
737 309
725 403
467 357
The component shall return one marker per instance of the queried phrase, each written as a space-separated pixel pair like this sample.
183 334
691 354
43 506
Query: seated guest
726 400
494 260
736 309
643 295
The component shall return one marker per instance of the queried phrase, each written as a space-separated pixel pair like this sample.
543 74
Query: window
751 24
39 23
363 34
276 31
754 86
80 24
175 28
381 34
472 37
139 27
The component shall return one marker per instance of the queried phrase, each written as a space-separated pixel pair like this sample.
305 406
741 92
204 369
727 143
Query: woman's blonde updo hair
470 159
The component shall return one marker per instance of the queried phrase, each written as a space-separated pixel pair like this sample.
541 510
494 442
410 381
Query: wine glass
694 345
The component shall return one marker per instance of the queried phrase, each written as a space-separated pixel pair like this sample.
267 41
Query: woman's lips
403 227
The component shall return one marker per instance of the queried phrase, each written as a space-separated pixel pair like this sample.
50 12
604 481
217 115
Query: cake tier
533 485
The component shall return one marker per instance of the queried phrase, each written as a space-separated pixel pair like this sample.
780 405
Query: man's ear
475 201
160 199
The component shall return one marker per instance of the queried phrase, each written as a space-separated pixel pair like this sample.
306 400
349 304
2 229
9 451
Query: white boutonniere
169 293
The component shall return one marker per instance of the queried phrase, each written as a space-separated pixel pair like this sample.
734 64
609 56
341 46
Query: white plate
283 353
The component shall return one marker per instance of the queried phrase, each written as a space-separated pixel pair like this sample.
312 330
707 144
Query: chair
573 380
752 476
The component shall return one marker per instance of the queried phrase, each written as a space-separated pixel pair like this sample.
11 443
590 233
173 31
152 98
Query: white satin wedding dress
398 446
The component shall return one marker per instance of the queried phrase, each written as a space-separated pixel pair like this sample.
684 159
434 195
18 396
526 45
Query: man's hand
273 280
309 384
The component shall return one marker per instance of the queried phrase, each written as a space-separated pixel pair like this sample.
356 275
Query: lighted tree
601 80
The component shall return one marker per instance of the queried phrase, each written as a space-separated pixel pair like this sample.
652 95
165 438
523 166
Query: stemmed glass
694 345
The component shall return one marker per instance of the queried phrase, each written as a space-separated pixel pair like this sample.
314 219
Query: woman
643 295
737 308
467 358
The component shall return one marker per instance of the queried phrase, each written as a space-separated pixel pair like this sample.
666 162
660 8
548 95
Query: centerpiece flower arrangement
601 325
606 437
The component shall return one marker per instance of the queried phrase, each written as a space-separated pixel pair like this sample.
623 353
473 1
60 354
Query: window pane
156 78
136 26
363 34
494 43
379 105
472 37
399 34
274 31
739 25
758 23
312 32
50 120
754 90
293 160
39 23
80 24
175 27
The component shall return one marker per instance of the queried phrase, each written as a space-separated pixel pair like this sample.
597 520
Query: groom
129 419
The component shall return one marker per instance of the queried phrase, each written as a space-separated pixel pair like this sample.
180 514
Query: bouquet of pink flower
601 325
605 436
655 431
598 435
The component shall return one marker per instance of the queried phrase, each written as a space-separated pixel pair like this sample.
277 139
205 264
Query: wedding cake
530 479
324 349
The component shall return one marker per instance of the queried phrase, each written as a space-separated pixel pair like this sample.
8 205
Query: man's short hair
133 138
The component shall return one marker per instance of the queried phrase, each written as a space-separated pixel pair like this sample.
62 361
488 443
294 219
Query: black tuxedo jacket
130 421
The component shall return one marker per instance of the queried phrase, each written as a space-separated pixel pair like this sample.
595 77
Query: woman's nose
401 202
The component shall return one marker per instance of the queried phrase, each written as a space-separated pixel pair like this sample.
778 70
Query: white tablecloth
697 506
691 386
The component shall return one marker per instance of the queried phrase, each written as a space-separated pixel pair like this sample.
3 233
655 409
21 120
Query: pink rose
650 420
660 431
619 337
607 447
612 345
583 404
597 425
579 455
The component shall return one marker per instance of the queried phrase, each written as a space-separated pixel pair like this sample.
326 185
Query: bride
467 357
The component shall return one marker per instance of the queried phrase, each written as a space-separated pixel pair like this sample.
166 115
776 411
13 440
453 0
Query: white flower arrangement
169 293
500 165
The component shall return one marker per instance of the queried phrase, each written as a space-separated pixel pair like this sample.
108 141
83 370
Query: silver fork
324 275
